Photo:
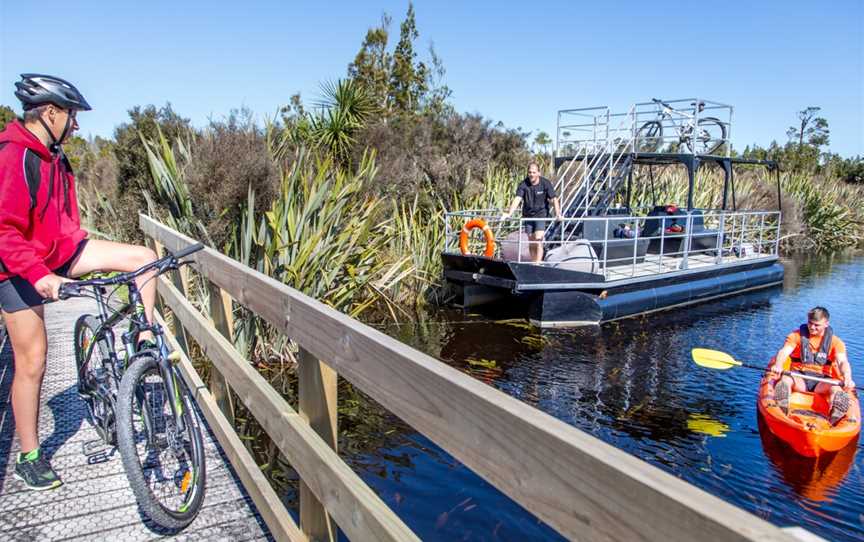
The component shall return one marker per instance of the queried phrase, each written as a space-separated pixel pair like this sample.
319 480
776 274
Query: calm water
632 384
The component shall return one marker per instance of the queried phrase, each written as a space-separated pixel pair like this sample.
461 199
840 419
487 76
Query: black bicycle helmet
35 89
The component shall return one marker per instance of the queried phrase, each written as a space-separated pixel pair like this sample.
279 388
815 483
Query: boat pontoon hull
554 297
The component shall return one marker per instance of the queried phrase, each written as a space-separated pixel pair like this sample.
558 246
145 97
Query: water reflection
815 479
631 377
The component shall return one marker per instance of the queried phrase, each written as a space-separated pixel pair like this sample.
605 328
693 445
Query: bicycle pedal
96 451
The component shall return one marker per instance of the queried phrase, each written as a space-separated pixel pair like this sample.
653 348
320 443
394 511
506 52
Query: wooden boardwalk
95 501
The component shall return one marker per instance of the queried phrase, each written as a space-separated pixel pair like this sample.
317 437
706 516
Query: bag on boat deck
576 255
510 246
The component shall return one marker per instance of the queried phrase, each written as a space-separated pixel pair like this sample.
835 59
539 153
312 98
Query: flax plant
98 216
321 236
418 232
168 198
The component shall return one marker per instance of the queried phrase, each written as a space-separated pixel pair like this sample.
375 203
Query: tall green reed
818 212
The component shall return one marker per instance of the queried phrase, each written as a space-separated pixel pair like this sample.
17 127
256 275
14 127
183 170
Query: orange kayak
807 429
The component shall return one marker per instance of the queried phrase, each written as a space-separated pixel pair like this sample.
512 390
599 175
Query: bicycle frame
667 112
138 323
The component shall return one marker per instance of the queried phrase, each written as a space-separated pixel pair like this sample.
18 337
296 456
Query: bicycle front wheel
165 465
710 136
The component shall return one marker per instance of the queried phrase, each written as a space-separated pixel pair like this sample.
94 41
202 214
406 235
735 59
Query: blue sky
517 62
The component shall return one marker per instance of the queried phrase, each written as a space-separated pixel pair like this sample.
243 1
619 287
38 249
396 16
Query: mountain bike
704 136
136 398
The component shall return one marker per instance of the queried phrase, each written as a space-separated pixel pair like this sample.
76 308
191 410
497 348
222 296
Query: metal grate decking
654 264
95 502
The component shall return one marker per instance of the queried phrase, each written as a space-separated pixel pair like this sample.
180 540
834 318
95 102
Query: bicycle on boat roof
137 400
710 132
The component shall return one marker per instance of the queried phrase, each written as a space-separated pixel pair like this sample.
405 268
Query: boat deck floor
655 264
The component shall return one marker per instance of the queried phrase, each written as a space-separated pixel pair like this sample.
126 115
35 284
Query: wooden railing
579 485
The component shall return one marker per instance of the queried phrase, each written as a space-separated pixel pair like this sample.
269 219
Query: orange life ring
487 231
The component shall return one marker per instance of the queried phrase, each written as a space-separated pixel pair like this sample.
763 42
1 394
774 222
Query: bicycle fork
172 385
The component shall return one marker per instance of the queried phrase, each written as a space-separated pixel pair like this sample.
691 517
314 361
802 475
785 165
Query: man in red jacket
42 244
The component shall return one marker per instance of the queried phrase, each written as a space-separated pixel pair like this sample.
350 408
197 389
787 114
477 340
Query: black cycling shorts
16 294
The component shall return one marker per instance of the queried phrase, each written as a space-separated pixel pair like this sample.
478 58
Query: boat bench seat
703 240
621 251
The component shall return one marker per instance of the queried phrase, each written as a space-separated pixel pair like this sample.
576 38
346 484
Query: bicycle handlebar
73 289
188 250
700 105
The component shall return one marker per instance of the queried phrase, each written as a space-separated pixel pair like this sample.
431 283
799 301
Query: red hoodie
39 223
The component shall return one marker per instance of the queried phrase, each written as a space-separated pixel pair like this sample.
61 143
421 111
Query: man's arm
516 201
16 253
553 197
556 203
780 359
845 370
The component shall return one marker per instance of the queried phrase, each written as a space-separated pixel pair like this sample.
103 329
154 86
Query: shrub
850 170
133 169
443 158
228 159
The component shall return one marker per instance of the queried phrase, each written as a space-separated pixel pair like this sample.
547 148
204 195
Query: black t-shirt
536 198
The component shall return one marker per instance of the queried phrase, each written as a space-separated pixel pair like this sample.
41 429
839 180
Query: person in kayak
814 349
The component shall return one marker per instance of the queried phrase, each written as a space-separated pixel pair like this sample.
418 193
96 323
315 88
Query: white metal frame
595 128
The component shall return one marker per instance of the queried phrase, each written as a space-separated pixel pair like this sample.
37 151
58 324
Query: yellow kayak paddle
715 359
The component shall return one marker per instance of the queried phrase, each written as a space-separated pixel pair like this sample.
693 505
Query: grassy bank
819 213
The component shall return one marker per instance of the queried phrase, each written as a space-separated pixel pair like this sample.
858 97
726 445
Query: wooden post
317 389
222 316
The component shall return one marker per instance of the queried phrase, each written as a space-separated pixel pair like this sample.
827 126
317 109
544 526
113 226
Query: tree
7 115
543 141
371 66
399 83
133 168
811 128
802 152
850 170
76 150
408 79
435 102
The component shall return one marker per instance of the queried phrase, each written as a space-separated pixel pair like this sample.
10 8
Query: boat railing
677 126
621 246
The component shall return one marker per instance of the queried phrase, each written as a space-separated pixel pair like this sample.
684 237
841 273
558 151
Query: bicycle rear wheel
96 386
649 137
710 136
165 466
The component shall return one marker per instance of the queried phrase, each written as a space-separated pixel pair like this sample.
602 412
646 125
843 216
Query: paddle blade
713 359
